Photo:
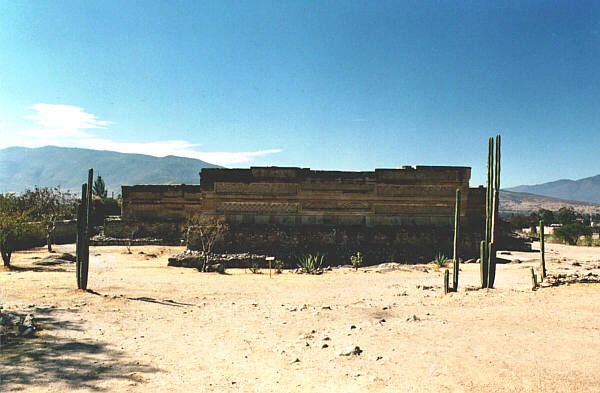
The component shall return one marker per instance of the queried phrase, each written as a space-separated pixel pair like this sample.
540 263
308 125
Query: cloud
65 125
65 117
177 148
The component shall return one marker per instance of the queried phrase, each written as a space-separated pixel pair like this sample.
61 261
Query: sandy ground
147 327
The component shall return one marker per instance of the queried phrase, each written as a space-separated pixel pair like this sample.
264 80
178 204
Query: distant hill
52 166
523 203
587 189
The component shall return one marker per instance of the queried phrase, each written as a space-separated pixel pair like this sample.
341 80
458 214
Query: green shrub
221 268
440 260
570 233
311 264
254 268
589 241
356 260
279 265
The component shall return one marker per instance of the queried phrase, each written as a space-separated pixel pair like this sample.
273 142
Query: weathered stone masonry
403 212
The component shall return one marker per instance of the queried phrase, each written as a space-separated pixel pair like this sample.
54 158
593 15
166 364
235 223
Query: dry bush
205 231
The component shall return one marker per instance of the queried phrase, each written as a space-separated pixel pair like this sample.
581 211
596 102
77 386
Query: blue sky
327 85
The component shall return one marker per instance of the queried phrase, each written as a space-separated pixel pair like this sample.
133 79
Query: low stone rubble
194 259
14 324
102 240
554 280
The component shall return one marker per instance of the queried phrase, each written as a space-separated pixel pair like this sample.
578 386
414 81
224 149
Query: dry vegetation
149 327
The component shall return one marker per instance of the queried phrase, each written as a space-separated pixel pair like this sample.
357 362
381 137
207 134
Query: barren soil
146 327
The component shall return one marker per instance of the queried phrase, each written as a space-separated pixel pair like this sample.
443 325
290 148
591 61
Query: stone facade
410 200
421 195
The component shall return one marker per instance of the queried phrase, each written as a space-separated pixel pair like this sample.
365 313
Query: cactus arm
456 266
446 281
542 252
483 265
79 249
86 250
533 280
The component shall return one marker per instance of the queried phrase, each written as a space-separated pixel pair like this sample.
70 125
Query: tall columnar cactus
446 281
456 266
542 252
492 202
534 283
83 232
81 209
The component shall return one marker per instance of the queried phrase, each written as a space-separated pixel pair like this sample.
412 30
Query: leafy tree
518 222
99 188
15 224
47 206
570 233
546 215
566 215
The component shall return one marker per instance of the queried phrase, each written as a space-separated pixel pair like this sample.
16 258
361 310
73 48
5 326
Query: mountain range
587 189
523 203
52 166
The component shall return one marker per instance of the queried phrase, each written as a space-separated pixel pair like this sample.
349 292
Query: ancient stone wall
161 202
297 196
415 204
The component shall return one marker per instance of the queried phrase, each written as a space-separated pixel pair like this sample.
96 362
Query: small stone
378 357
352 351
296 361
326 339
325 346
27 332
352 327
31 305
28 321
413 318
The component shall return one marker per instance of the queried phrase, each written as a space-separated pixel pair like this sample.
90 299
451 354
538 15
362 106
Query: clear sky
322 84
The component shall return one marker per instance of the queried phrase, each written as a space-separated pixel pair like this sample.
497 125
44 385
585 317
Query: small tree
205 231
47 205
14 226
99 188
566 215
545 215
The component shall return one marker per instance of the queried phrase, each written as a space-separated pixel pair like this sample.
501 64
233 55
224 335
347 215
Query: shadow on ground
49 358
37 269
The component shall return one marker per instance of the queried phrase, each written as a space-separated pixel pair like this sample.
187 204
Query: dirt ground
147 327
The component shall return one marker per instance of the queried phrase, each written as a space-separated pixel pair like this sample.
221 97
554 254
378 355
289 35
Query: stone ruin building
402 215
